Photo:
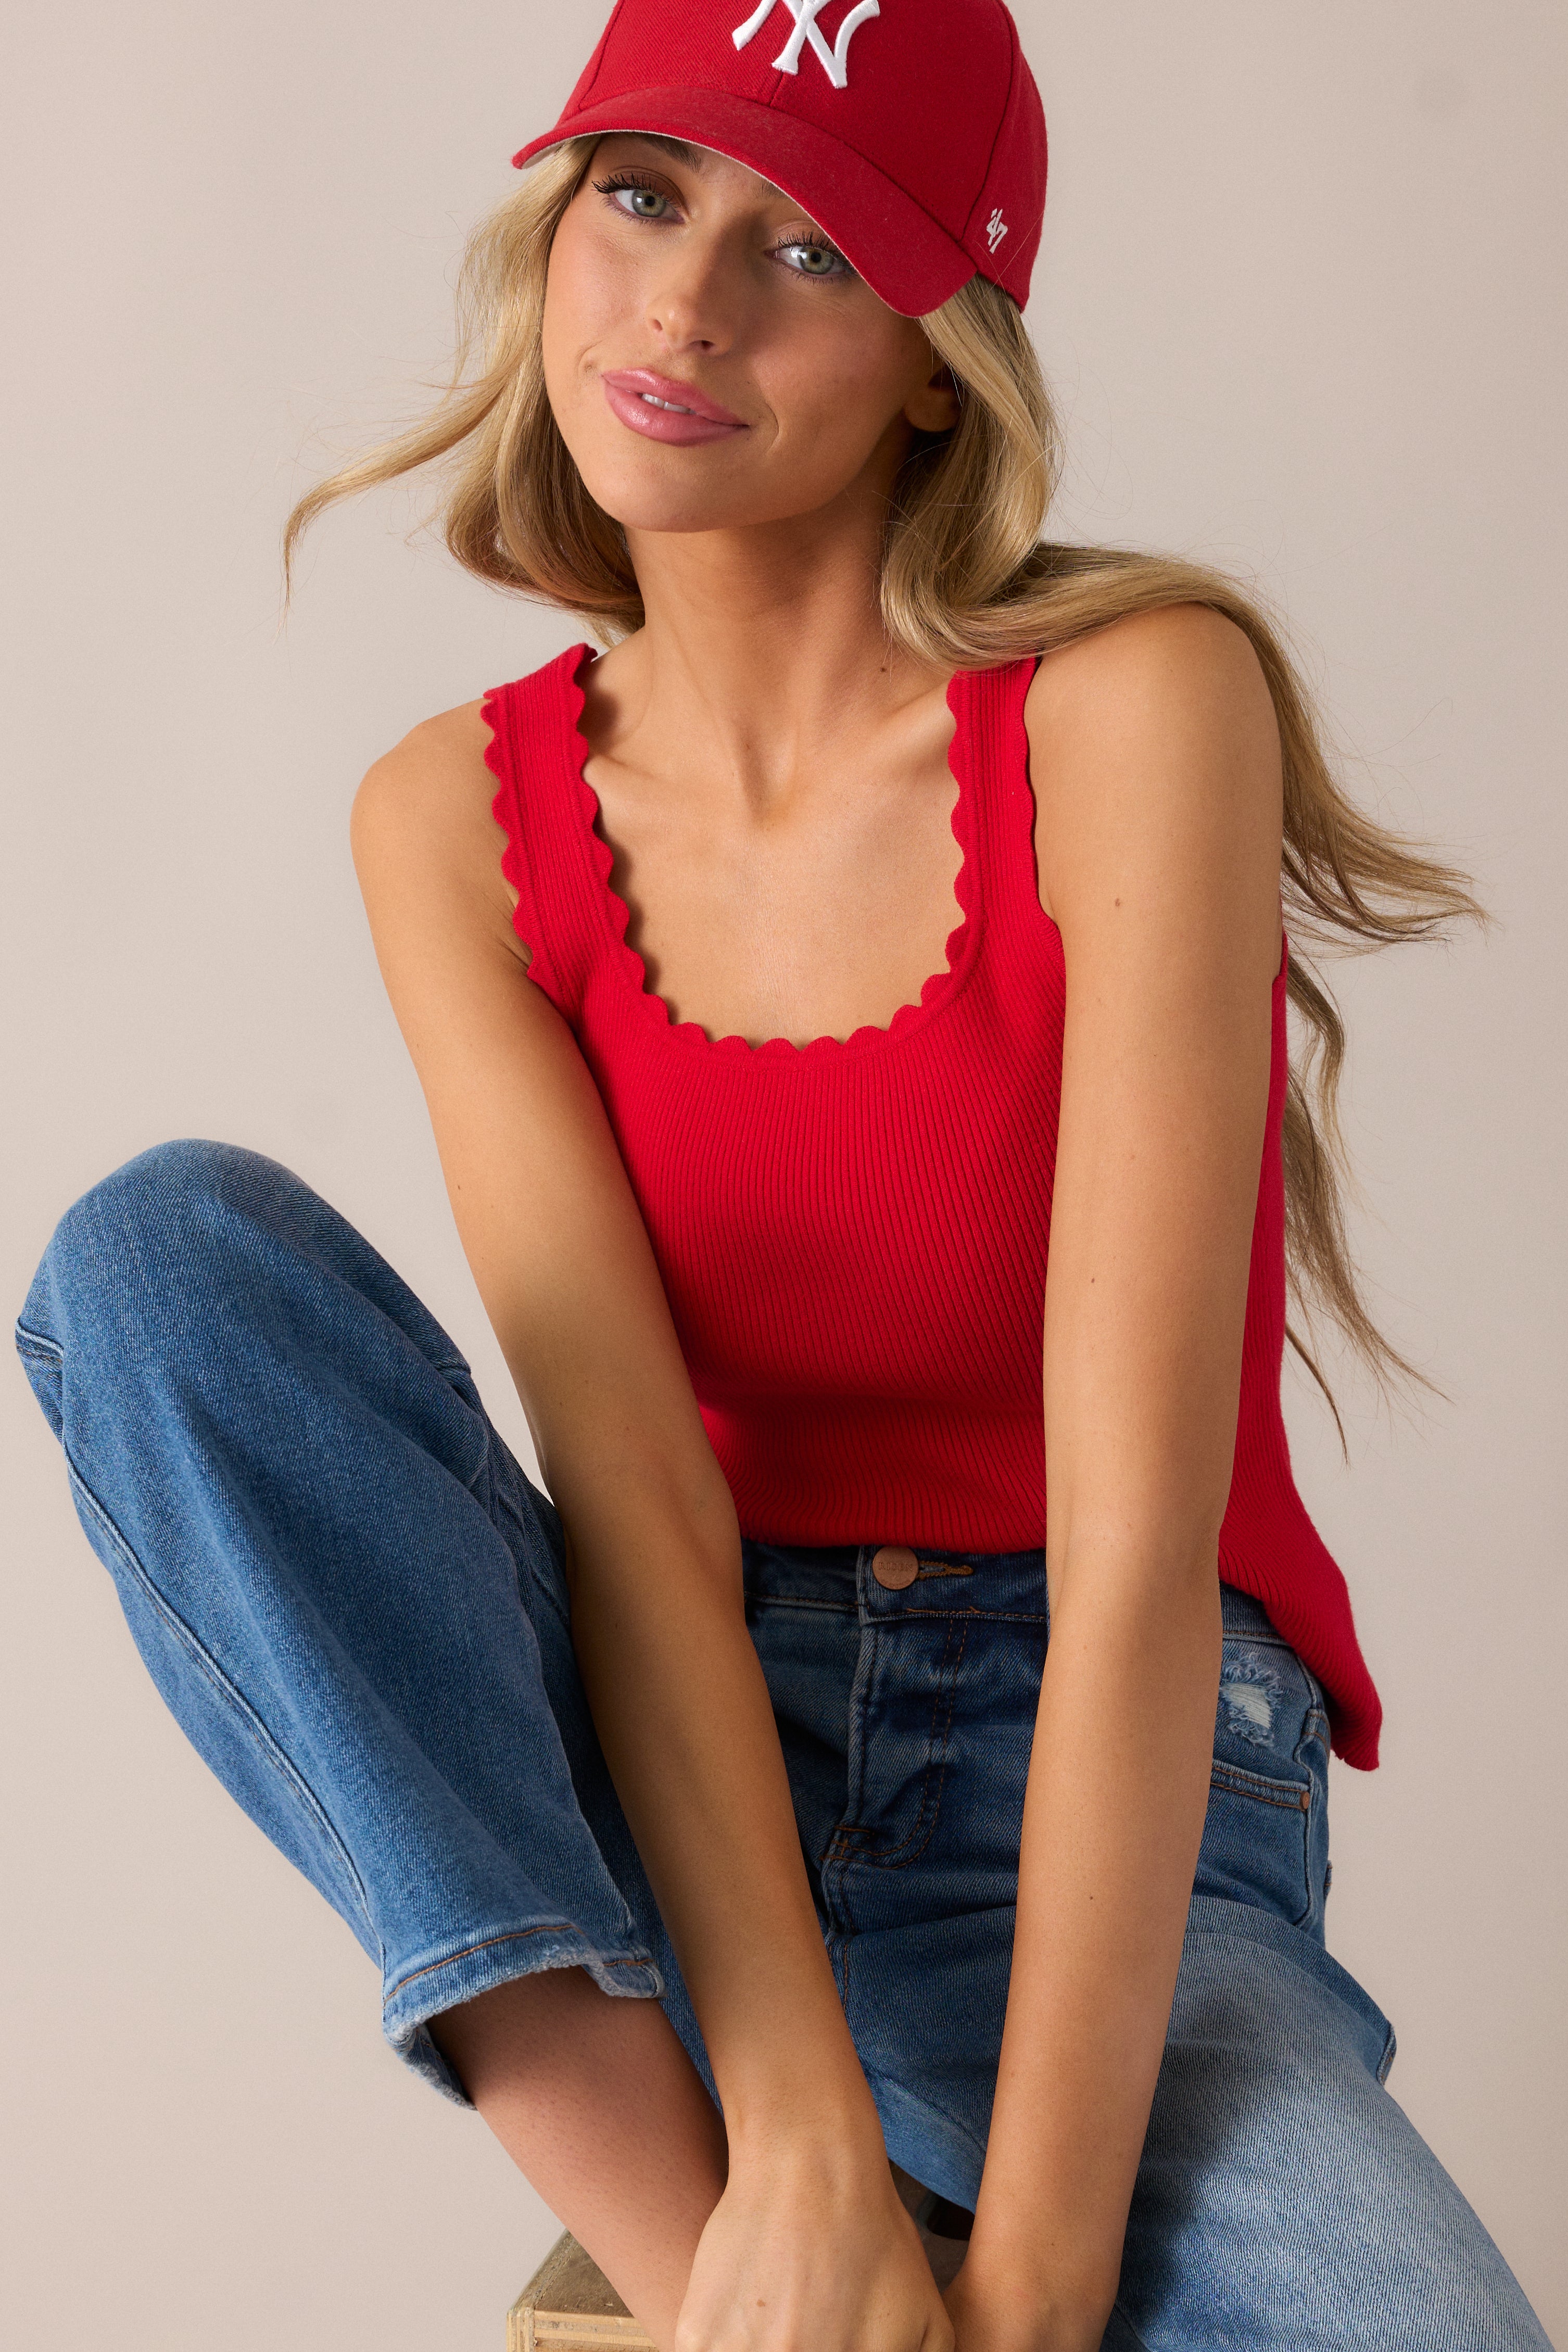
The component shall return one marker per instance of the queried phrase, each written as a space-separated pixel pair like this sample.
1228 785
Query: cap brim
901 253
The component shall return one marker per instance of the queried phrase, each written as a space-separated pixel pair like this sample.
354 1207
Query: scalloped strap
993 747
532 755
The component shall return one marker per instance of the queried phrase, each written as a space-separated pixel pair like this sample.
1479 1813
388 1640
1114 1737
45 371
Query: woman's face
711 359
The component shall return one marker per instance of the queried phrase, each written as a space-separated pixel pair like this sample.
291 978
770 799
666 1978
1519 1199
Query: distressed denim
353 1600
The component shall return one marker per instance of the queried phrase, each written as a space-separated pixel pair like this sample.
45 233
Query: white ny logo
834 60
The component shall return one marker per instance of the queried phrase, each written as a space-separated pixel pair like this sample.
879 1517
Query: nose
690 305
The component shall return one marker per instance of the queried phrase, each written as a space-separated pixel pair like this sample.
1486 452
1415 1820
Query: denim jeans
353 1599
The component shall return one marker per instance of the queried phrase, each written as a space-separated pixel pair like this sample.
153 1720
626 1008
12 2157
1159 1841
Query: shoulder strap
541 803
993 747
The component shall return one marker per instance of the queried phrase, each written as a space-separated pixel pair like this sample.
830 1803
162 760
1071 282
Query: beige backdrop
1301 295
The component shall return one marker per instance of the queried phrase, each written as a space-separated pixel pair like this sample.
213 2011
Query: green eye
817 260
634 196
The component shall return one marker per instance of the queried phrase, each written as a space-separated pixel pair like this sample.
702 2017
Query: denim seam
989 1616
510 1936
38 1343
794 1601
270 1747
1260 1786
1315 1728
454 1372
499 1501
848 1832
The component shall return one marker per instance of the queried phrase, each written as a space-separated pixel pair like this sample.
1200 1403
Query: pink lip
691 416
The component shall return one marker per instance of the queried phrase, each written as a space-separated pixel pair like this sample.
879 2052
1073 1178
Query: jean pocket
1257 1841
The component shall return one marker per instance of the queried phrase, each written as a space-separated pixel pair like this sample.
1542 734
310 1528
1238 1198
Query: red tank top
852 1234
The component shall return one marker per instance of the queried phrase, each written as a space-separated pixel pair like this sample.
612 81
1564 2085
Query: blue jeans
353 1600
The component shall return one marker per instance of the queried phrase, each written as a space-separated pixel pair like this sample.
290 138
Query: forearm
1113 1821
684 1717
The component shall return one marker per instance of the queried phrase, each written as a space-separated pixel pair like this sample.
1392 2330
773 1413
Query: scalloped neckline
938 989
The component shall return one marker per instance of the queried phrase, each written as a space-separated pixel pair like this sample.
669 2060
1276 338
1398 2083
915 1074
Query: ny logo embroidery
996 229
834 61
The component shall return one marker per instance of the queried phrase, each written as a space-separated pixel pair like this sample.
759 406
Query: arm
1156 767
562 1263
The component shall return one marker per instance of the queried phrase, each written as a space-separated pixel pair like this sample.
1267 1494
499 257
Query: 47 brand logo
834 61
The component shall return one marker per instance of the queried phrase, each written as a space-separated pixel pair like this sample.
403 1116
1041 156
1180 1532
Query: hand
810 2250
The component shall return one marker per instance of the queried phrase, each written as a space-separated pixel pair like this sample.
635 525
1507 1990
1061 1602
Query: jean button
895 1566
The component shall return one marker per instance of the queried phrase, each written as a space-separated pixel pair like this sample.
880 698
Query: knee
133 1252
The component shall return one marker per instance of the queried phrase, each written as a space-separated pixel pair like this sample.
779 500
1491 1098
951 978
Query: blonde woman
805 1781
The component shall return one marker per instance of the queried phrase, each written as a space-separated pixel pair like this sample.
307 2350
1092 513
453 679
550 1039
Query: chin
642 496
647 509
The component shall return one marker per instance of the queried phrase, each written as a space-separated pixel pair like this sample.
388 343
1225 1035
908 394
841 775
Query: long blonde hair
966 582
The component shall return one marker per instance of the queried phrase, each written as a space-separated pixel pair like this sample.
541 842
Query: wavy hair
966 581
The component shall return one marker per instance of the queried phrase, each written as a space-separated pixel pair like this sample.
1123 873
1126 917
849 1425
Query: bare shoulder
433 779
422 822
1156 761
1179 657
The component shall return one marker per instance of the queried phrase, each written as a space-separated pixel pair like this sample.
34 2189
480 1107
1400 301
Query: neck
765 645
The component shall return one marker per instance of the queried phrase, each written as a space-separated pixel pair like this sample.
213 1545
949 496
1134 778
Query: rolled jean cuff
438 1985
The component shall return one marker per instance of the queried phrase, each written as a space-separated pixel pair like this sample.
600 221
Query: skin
773 781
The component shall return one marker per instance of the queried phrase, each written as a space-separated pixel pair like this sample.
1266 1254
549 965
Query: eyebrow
679 150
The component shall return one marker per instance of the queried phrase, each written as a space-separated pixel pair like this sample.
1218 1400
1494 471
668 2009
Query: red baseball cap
912 130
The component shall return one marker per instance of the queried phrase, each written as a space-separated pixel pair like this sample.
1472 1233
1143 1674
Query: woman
893 894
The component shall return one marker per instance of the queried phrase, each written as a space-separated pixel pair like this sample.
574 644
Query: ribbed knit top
852 1234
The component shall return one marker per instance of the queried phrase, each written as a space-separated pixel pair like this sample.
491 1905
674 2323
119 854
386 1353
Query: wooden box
569 2305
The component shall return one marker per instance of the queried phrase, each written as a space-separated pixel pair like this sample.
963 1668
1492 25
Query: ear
934 407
